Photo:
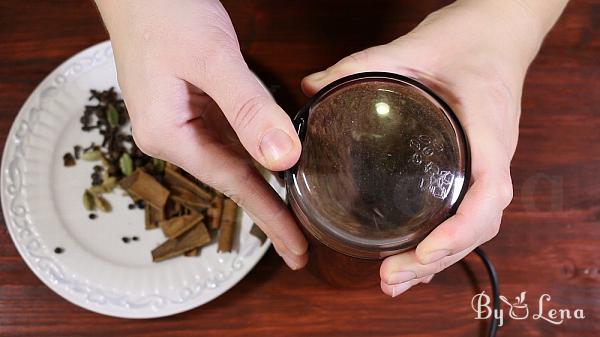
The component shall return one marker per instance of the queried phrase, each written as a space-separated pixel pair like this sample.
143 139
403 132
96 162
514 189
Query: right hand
194 102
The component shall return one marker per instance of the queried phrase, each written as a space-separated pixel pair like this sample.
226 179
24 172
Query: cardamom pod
98 189
126 164
158 165
93 155
102 203
109 184
112 115
88 201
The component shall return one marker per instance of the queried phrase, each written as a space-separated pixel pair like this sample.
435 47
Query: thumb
264 129
371 59
394 57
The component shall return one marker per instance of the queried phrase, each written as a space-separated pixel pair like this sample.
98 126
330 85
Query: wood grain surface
549 242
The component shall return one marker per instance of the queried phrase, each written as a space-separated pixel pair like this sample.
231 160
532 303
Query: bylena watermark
519 310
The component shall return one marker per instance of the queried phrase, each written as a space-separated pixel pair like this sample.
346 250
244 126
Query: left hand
462 52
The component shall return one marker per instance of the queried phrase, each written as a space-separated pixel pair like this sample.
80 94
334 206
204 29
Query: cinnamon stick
150 220
171 166
177 180
215 212
193 252
258 233
173 209
228 221
144 186
186 198
196 237
174 227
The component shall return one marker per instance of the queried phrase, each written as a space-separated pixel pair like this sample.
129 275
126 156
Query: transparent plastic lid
384 161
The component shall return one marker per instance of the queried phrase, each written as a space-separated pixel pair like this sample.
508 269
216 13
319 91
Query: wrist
521 24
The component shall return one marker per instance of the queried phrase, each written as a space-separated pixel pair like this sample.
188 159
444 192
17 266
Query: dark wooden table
549 243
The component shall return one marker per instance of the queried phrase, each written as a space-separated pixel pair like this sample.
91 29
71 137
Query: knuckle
359 57
146 135
215 53
207 60
353 61
387 268
503 190
232 189
440 266
145 142
220 45
247 112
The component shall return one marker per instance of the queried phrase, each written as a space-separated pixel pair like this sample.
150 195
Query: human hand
194 102
475 54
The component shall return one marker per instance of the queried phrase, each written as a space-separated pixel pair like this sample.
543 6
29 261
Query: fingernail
400 288
436 255
401 277
298 250
275 144
290 262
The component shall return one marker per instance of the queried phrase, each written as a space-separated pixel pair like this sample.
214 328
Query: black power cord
495 289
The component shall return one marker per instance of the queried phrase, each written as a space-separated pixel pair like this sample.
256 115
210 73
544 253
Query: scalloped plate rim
10 146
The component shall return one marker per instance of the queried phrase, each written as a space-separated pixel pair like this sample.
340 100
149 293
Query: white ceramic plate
42 203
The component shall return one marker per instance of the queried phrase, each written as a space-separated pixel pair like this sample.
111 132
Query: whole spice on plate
112 116
76 151
177 180
189 199
193 252
102 204
92 155
227 227
216 211
174 227
126 164
258 233
88 201
172 199
150 219
145 187
195 237
68 160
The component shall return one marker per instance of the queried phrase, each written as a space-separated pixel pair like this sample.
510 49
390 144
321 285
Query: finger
428 279
478 217
197 149
476 221
239 180
371 59
394 290
394 57
264 129
292 260
406 267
